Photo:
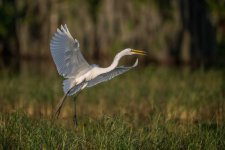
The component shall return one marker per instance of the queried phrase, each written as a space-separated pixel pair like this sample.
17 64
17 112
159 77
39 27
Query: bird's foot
56 114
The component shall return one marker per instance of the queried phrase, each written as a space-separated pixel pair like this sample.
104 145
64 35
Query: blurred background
175 32
184 70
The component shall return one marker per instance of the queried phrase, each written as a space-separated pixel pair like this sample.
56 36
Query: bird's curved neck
113 65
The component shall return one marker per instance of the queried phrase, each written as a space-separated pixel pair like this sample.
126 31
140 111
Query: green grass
20 131
153 108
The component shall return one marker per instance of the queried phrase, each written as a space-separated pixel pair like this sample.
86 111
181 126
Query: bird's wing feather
67 55
109 75
76 89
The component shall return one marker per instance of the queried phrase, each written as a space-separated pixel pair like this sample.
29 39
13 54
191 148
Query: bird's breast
92 74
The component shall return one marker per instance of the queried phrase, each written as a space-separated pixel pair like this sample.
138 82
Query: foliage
18 131
160 108
101 26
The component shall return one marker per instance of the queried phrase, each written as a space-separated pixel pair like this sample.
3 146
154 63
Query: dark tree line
194 18
178 31
9 44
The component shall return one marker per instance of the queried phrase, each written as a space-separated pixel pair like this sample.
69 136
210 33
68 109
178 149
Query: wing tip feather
136 63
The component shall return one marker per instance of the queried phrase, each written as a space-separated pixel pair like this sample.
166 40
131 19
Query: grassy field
153 108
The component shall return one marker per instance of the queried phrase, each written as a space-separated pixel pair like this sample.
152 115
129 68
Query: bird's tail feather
76 89
67 84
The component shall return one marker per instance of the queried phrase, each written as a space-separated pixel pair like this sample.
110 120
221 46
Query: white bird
78 74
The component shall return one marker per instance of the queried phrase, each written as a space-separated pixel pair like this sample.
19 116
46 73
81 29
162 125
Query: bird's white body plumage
71 64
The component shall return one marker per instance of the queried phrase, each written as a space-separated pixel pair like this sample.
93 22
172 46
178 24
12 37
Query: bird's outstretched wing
66 54
111 74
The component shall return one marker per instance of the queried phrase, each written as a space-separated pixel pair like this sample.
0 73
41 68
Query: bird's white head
130 51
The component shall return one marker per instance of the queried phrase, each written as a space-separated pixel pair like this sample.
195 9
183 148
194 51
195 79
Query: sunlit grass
144 108
19 131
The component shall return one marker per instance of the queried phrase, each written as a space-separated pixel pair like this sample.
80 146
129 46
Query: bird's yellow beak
139 52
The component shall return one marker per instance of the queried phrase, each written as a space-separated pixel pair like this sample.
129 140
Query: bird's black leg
75 109
75 112
59 106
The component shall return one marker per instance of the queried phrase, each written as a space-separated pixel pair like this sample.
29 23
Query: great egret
78 74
